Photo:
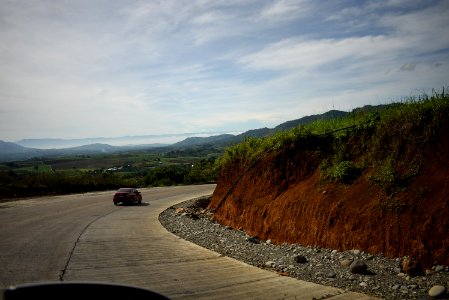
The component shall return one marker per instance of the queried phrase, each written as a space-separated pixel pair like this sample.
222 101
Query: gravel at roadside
353 270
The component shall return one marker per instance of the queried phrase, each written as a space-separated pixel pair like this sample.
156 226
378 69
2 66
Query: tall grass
379 137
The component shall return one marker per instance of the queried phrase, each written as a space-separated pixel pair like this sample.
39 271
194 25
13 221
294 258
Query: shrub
346 172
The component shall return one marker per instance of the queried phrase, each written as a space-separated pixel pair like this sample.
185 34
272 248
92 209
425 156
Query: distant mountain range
156 139
225 139
12 151
29 148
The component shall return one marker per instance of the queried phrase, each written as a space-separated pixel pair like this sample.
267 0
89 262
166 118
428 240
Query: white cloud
72 69
408 67
283 9
357 57
210 18
306 55
422 29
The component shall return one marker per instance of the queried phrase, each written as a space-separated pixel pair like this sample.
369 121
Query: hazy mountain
48 143
190 141
147 140
25 149
11 151
7 147
98 148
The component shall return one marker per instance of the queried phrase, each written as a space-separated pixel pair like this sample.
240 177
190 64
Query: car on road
127 196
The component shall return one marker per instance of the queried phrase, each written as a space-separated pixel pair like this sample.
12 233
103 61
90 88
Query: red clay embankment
284 198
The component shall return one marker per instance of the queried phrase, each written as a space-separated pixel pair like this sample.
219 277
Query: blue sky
91 68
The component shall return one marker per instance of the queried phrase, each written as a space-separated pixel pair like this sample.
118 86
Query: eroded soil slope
284 197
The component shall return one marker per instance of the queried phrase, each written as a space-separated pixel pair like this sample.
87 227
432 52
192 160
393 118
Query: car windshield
125 190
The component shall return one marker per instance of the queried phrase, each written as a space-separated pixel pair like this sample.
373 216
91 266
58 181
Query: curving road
86 238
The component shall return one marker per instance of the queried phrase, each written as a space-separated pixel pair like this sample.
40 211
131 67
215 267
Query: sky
109 68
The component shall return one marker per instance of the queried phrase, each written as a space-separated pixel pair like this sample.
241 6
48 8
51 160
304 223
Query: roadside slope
382 187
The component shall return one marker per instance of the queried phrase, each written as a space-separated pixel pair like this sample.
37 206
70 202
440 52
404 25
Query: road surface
85 237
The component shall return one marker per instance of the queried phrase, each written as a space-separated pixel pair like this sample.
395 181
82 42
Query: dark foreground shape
77 290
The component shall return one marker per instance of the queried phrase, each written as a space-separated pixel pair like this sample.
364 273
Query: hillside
229 139
14 152
11 151
7 147
29 148
375 180
332 114
192 141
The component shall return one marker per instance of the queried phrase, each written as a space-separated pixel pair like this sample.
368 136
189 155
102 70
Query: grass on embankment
390 141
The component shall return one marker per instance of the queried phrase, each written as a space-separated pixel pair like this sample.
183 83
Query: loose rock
439 268
346 262
252 240
412 266
301 259
270 264
381 280
180 210
437 291
358 267
355 252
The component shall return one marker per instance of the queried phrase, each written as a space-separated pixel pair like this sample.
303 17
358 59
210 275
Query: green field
83 173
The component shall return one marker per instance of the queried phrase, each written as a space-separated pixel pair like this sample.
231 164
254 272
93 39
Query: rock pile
355 270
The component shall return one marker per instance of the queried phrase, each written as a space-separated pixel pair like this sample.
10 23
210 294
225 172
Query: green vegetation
28 183
386 143
345 171
245 153
201 172
49 176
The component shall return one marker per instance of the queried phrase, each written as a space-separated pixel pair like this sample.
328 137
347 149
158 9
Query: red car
127 196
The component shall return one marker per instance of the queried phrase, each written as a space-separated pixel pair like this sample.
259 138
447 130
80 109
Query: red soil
283 199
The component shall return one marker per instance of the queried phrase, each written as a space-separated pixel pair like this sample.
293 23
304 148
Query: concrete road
86 238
